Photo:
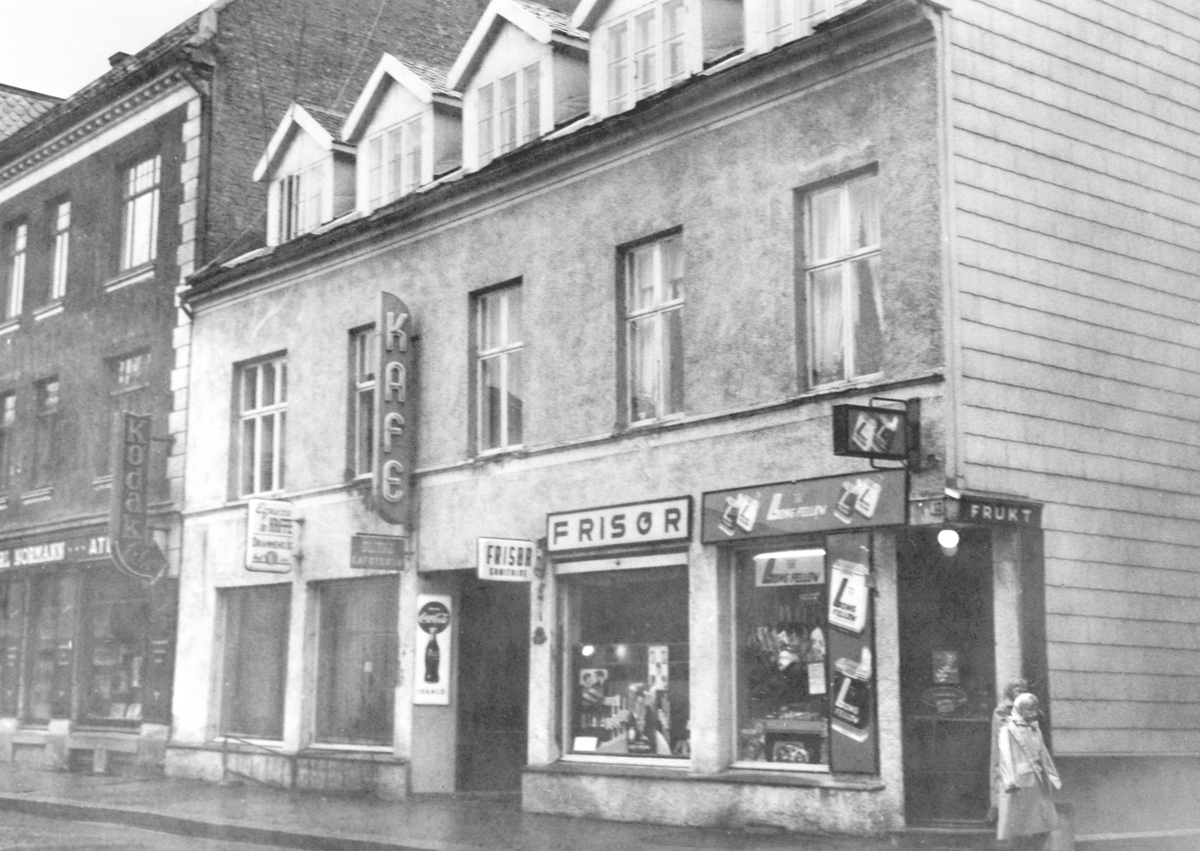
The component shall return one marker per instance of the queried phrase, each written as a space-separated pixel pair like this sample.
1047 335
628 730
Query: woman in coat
1027 771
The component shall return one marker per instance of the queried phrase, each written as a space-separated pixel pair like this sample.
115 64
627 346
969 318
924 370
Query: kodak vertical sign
131 548
395 412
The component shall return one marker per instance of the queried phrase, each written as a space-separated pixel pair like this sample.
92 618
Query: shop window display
781 630
118 613
628 672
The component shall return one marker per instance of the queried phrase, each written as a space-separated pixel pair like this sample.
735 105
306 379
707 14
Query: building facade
780 381
108 200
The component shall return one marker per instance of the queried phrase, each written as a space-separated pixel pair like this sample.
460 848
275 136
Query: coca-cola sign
433 617
434 640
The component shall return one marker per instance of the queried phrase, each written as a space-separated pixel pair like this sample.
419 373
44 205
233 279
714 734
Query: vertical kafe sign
131 548
395 418
433 650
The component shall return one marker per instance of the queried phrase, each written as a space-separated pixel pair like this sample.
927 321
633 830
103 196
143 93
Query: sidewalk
307 820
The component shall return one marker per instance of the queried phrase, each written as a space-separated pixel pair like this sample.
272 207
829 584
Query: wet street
23 832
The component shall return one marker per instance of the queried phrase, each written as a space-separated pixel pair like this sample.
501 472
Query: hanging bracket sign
395 418
132 549
505 559
270 535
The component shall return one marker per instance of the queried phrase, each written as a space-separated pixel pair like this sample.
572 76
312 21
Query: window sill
129 278
10 326
54 308
101 483
3 502
489 455
37 495
743 776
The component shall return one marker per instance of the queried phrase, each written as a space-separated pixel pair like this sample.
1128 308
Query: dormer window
299 199
394 162
775 22
509 112
309 171
654 33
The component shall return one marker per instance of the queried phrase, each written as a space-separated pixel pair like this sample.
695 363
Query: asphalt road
20 832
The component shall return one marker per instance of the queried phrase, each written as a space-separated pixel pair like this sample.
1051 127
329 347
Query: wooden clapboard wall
1076 163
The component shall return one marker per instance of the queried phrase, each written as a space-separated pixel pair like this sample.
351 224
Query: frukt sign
395 412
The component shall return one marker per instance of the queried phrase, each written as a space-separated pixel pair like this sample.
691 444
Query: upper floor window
128 392
653 275
394 162
45 437
789 19
262 415
8 455
18 243
645 53
364 359
62 250
841 273
509 112
300 199
139 243
499 370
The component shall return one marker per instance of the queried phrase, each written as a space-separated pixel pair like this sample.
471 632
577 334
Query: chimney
117 58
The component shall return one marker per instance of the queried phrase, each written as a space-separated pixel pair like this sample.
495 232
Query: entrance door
947 676
493 679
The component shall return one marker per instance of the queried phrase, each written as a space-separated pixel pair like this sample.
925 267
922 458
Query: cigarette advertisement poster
854 737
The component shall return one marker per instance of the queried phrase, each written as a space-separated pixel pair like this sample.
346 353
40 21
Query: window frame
129 395
8 438
508 112
395 161
843 260
256 416
300 199
140 226
363 378
233 603
16 265
46 438
60 258
642 48
504 352
668 401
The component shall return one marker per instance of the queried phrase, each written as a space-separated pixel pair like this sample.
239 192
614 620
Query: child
1027 771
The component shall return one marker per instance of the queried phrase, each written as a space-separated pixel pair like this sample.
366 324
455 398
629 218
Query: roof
426 82
63 113
18 107
536 20
322 125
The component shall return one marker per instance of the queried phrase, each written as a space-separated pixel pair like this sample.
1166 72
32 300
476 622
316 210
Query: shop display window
356 669
117 612
781 632
628 668
52 625
254 673
12 625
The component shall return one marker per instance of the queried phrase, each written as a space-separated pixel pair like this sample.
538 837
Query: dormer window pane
618 66
411 160
507 113
672 24
395 162
375 170
645 58
532 102
300 201
485 122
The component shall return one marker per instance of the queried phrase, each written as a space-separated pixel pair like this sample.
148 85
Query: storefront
86 657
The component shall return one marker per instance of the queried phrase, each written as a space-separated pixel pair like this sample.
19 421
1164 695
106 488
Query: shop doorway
493 685
947 676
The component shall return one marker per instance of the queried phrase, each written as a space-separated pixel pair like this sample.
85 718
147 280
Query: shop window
364 358
139 242
498 370
62 250
629 663
128 392
653 275
262 414
12 627
117 615
52 613
46 436
804 665
842 259
254 672
356 660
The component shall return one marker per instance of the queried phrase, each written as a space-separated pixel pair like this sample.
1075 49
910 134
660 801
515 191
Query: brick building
108 200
